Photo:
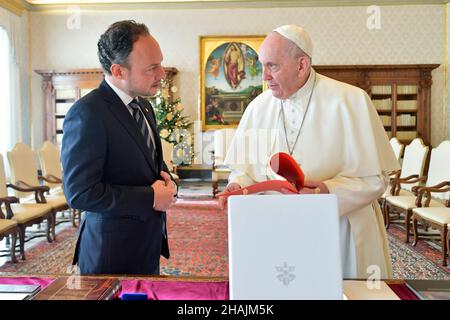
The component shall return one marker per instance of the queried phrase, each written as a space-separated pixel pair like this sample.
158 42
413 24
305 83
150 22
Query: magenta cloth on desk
178 290
402 291
44 282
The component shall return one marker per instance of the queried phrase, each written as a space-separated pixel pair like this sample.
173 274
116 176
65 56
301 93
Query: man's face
144 70
280 69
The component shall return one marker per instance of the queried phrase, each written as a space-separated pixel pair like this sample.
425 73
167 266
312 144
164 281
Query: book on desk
18 291
430 289
81 288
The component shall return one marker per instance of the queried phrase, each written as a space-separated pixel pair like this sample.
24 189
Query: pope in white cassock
333 131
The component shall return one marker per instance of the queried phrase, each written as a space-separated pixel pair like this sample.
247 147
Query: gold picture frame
230 78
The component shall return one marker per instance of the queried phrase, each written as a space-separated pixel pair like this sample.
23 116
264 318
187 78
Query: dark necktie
143 128
142 125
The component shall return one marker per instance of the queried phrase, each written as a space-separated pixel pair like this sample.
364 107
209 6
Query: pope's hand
230 188
314 187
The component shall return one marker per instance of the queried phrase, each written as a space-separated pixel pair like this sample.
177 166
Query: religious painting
230 78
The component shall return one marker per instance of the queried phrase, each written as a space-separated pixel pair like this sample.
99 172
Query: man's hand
167 179
223 200
164 192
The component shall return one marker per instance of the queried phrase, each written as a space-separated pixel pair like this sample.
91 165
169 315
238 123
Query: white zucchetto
297 35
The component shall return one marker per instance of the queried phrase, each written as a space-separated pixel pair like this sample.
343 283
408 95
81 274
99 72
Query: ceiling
18 6
316 3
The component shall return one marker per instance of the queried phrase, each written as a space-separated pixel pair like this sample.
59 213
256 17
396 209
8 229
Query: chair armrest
50 178
412 179
396 182
440 187
7 201
425 192
415 190
395 173
25 187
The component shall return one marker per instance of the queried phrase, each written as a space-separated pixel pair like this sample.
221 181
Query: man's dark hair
115 45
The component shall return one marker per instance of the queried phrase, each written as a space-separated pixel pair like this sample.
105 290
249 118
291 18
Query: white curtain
13 75
6 98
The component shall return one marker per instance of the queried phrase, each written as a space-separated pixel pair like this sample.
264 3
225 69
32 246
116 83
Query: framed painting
230 78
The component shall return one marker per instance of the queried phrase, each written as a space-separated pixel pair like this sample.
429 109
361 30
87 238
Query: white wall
408 35
447 59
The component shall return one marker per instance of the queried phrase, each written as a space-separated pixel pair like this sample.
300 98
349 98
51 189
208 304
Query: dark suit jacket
108 173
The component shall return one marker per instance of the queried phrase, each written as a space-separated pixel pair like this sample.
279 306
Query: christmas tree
172 125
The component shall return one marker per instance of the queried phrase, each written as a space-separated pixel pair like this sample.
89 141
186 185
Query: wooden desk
175 288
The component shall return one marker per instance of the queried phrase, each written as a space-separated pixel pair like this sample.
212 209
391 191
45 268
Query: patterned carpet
197 239
198 242
420 262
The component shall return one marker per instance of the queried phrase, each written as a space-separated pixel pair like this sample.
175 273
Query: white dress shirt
126 99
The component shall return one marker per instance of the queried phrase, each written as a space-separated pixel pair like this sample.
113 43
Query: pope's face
280 69
144 70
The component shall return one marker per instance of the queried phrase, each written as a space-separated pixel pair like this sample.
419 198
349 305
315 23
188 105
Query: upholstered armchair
438 172
167 149
23 165
411 173
222 140
50 160
22 215
437 217
436 191
397 147
8 227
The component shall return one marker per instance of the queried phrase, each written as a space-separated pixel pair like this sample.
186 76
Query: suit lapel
124 117
149 113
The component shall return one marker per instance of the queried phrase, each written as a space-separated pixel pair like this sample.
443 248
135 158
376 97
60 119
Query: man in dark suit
112 159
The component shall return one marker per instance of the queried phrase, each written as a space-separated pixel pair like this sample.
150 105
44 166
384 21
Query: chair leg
76 217
54 226
79 213
444 245
22 241
49 229
74 213
416 232
382 203
386 215
407 224
448 243
215 188
51 225
13 246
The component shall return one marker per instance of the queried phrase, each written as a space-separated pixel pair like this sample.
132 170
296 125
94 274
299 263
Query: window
5 91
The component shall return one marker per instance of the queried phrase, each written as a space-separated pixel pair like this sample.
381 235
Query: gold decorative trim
57 5
15 6
290 2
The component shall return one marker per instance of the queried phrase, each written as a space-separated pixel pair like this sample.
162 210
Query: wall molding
52 5
15 6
